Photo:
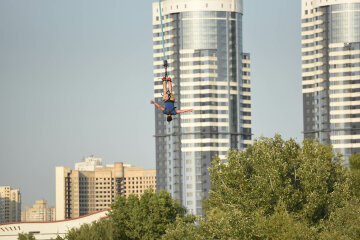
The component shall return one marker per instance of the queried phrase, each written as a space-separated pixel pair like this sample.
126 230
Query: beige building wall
10 204
61 174
82 192
39 212
53 214
137 180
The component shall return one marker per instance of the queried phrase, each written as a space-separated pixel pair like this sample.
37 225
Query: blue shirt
169 108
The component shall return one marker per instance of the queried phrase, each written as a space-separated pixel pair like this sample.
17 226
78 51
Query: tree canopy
26 236
147 217
275 189
354 164
278 189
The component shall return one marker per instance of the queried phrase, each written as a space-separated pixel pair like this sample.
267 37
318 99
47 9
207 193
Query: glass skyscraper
331 73
211 74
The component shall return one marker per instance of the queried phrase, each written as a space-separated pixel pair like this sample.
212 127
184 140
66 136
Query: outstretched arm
185 110
157 105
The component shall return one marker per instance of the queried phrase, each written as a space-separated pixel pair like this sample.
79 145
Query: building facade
211 74
10 204
39 212
331 73
93 187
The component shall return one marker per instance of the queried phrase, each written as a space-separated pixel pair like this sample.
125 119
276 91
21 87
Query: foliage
147 217
282 225
58 238
354 162
100 230
26 236
183 229
343 223
276 189
144 218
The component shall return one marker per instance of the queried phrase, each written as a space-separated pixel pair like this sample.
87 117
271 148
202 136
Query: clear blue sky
76 79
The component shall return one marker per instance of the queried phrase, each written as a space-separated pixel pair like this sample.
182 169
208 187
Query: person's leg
172 98
165 93
170 86
164 88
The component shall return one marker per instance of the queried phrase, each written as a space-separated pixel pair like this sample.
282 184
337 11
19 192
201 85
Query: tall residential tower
211 74
331 73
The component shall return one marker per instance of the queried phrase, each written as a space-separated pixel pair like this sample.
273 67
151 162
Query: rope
162 32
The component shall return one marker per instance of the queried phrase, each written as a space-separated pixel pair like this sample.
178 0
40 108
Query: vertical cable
162 31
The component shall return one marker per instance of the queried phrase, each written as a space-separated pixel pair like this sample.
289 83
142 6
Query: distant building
89 164
47 230
39 212
10 204
331 73
93 187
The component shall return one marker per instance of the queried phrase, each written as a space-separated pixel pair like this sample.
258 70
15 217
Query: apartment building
39 212
92 187
10 204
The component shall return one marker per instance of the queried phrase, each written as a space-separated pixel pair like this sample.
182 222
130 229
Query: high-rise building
10 204
39 212
211 74
331 73
93 187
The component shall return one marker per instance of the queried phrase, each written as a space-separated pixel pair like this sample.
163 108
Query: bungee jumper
168 98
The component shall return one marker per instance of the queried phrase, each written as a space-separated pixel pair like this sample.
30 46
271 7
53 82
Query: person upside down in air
168 99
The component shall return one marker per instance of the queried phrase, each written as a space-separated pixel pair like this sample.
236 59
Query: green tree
146 217
343 223
57 238
282 225
275 189
26 236
184 229
354 162
100 230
